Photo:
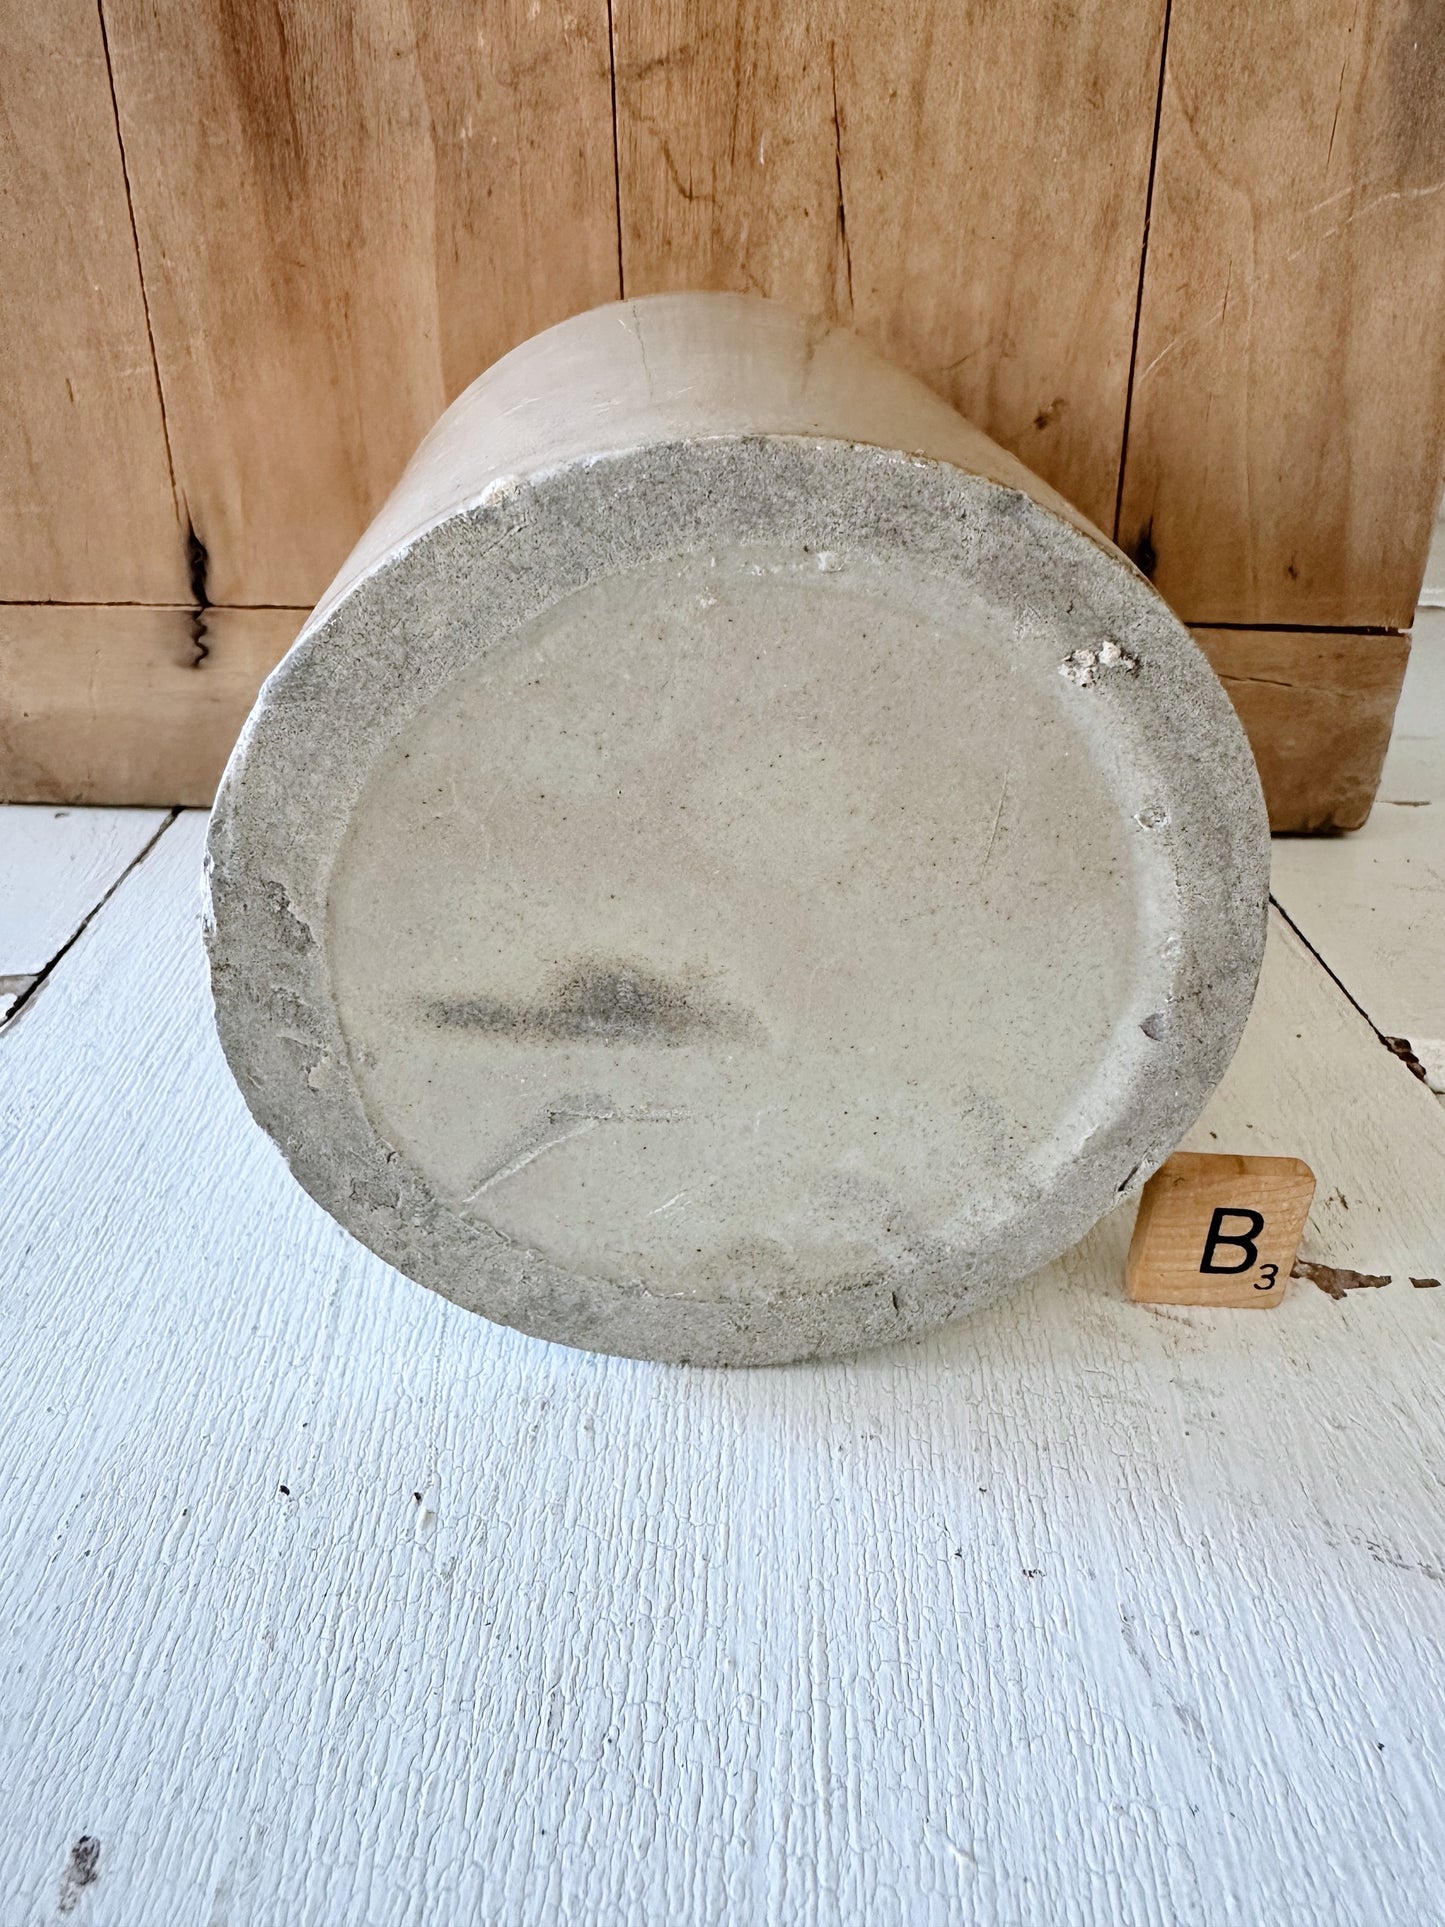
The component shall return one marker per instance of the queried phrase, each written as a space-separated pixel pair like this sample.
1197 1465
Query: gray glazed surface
710 886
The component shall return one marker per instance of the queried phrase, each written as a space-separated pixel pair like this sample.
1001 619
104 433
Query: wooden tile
1215 1229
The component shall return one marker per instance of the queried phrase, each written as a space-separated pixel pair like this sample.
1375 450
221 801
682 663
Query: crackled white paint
328 1602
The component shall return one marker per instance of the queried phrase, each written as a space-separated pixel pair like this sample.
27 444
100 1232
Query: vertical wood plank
966 186
1288 422
86 505
346 213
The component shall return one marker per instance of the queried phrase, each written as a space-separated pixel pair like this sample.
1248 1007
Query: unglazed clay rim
378 655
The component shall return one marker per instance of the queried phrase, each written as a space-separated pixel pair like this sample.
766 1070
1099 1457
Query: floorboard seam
1398 1047
24 1001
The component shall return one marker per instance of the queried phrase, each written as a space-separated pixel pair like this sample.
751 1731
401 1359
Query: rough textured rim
355 677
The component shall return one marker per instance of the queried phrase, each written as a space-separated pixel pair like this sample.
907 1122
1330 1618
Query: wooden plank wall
1186 258
1285 440
979 219
408 192
87 509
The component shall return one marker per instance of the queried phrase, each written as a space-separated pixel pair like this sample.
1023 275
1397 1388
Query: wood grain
87 511
965 186
1219 1228
345 214
1317 707
129 705
1287 430
104 706
330 1602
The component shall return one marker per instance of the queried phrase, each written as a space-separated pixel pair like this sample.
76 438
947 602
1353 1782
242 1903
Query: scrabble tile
1215 1229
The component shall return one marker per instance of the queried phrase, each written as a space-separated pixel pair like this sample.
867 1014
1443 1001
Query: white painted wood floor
327 1603
1373 904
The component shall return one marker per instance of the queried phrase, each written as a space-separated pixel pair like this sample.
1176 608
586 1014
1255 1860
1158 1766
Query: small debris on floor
1336 1281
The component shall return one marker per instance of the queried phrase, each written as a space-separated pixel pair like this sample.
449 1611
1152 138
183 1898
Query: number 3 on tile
1214 1229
